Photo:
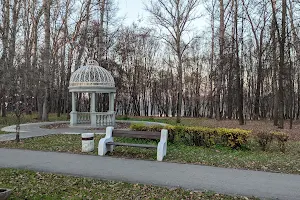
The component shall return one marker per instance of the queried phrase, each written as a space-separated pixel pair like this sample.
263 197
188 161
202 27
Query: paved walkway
195 177
34 130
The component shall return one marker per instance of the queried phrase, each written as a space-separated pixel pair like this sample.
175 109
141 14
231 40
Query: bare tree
221 62
251 73
46 58
239 74
5 26
212 12
258 27
282 41
84 34
175 17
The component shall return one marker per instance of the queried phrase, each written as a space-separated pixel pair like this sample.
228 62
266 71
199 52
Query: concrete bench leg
162 145
103 147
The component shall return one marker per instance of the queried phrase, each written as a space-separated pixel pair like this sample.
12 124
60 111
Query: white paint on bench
107 144
162 145
103 147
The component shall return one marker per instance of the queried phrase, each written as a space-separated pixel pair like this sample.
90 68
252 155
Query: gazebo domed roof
91 77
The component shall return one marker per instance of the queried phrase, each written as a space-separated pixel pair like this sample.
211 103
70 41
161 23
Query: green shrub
282 139
234 138
174 133
200 136
143 127
125 117
264 140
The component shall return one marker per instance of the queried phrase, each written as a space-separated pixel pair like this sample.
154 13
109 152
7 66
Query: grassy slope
35 185
248 158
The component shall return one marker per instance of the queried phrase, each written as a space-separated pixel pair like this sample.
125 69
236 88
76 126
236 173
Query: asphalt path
194 177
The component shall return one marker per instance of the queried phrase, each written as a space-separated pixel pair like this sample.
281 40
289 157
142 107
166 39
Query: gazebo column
111 101
93 110
112 106
73 114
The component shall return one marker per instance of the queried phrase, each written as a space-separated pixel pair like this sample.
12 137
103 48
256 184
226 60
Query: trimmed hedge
200 136
282 139
265 140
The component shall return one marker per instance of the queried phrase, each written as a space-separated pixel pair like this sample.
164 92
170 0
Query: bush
234 138
264 140
123 117
282 139
200 136
143 127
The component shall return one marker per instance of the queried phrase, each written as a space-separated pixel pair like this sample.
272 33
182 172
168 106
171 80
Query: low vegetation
254 126
35 186
249 156
265 139
200 136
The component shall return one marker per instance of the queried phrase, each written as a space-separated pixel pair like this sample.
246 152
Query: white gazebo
92 79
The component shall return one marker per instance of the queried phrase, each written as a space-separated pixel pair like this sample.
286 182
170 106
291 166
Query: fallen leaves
53 186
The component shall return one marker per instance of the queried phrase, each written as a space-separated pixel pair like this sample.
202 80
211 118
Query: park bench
107 144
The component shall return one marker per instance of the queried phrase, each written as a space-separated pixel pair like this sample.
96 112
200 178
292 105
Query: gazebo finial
92 62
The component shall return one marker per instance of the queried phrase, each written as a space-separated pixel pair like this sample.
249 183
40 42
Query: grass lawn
35 186
254 126
248 158
11 119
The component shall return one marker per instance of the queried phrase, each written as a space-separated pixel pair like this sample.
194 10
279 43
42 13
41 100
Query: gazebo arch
92 79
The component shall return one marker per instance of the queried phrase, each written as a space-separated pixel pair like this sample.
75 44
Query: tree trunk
274 78
221 63
240 98
101 31
46 58
4 57
83 38
281 66
179 105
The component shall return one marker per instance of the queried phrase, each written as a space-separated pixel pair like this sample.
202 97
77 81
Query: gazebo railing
83 118
102 118
105 119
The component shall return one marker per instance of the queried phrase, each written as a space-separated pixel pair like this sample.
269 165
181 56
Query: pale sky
134 10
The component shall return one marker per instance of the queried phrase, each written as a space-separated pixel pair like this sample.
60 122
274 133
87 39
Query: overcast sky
134 9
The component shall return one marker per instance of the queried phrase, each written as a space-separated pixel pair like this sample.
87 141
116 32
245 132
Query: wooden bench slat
132 145
136 134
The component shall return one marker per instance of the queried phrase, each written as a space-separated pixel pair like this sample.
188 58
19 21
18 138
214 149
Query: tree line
244 66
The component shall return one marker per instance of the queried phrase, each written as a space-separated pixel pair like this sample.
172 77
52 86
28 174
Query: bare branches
175 16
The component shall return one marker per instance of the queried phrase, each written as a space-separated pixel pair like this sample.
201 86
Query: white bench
107 144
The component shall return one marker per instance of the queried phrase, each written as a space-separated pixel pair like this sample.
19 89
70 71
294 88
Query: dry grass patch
35 186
